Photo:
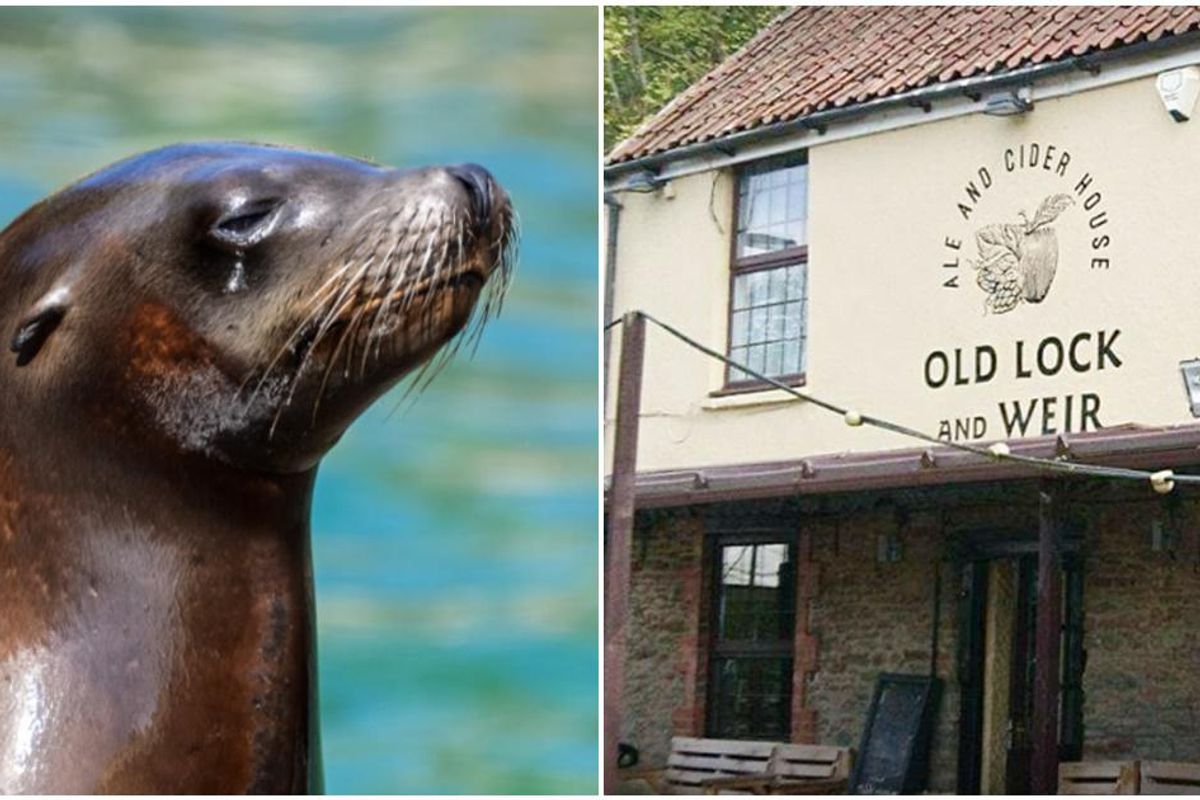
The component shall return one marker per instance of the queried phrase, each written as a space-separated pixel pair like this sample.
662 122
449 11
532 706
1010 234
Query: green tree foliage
652 53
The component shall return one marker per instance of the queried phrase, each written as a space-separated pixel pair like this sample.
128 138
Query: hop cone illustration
1018 262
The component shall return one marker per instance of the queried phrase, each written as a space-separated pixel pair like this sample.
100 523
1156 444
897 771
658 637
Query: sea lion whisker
442 357
503 267
332 314
320 394
351 285
384 274
315 305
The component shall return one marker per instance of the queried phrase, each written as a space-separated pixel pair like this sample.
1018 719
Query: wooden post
1044 759
620 531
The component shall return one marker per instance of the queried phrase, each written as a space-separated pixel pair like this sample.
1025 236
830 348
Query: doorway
997 662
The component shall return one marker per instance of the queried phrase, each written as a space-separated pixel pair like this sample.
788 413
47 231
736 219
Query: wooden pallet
1169 777
1098 777
794 769
727 766
694 761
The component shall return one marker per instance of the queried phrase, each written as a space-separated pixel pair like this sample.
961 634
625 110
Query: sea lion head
244 303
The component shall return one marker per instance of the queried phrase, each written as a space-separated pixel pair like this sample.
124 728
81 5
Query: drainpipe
613 209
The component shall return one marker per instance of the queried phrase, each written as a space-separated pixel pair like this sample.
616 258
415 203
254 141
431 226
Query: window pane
758 325
791 322
767 330
736 565
741 292
738 354
753 698
777 285
737 622
757 182
769 559
775 322
756 603
791 357
797 201
774 360
739 329
777 202
795 281
759 212
759 284
793 233
756 358
773 209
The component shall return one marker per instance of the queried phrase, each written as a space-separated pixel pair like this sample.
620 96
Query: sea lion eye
248 224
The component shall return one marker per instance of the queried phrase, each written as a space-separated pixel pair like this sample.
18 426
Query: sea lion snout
481 188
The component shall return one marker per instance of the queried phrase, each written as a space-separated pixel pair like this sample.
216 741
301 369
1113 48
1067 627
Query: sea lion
191 330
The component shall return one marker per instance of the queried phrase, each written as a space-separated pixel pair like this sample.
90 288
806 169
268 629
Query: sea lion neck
174 624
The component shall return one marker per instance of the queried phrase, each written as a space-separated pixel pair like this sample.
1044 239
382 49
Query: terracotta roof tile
813 58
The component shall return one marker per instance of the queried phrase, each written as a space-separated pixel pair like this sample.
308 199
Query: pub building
980 223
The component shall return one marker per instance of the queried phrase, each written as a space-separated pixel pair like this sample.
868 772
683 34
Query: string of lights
1162 481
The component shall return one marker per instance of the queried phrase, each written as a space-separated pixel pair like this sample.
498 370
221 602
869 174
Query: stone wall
1141 631
871 618
1142 635
666 661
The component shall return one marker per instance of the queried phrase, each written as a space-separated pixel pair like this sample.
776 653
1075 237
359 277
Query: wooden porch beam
620 531
1044 759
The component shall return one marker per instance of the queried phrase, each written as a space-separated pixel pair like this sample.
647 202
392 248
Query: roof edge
819 120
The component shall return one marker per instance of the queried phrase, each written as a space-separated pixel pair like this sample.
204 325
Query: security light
1009 102
644 181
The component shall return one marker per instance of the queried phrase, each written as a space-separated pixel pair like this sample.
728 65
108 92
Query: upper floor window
769 291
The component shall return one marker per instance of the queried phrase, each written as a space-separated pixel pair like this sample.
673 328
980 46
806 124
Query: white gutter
945 101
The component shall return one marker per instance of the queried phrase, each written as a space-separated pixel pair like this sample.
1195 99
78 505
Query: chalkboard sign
893 757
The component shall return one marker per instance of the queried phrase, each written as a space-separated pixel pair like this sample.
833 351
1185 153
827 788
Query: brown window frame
781 650
765 261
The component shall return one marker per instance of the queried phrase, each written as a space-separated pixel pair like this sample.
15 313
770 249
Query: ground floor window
754 615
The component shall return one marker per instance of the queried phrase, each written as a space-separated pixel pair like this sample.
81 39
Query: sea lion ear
39 323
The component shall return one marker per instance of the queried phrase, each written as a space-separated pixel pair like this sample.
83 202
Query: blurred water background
455 539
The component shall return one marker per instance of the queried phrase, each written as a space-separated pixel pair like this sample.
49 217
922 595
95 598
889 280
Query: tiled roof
813 59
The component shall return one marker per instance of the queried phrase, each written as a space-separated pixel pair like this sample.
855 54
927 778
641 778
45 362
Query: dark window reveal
769 286
752 648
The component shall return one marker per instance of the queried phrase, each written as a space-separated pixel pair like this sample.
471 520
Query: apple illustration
1018 262
1039 248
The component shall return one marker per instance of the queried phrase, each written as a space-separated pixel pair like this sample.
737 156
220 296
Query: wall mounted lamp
1009 102
644 181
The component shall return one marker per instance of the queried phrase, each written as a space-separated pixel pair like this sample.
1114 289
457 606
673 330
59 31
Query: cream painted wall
881 208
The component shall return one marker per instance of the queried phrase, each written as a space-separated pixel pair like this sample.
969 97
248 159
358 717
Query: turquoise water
454 534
